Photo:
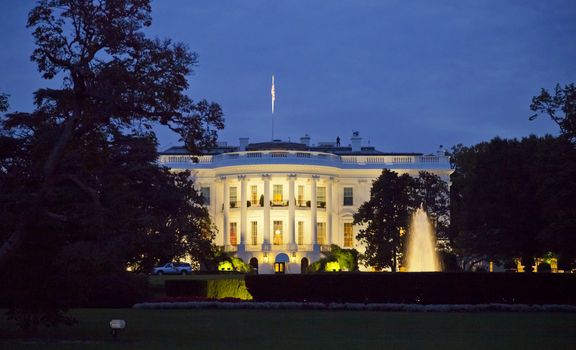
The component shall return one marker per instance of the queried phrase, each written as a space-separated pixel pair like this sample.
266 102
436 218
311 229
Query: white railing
301 156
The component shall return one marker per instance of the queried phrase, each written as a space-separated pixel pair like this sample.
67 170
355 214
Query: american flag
273 93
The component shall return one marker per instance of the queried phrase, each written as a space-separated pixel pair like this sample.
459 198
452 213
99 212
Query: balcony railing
262 157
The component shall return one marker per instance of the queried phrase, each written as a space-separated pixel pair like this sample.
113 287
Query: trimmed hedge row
419 287
217 289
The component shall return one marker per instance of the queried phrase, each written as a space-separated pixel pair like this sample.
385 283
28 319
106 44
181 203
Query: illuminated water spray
421 253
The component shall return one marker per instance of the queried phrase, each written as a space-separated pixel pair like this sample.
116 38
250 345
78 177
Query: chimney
305 140
243 143
356 142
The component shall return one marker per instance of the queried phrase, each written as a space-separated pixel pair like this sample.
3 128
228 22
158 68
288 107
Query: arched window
280 263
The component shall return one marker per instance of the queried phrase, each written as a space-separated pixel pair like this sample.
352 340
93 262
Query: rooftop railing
260 157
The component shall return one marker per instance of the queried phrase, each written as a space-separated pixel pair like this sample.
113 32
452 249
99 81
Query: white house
277 204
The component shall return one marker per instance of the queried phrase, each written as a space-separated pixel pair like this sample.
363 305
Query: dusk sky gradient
408 75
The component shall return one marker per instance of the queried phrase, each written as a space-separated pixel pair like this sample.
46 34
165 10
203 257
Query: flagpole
273 94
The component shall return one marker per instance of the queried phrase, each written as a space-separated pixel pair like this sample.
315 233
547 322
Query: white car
173 269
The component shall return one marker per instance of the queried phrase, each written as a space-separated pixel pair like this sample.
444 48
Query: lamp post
116 326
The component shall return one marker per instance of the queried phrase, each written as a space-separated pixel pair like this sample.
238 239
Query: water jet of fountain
421 253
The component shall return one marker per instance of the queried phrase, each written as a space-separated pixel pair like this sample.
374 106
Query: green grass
292 329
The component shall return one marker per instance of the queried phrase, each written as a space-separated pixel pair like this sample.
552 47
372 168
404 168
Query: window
233 197
300 232
300 198
321 197
233 233
321 230
348 232
205 192
348 196
277 197
254 232
277 232
253 195
279 267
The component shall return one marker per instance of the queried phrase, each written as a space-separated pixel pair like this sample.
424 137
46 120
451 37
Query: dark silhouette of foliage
514 199
560 107
82 195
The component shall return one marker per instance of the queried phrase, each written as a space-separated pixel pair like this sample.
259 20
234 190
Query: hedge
217 289
419 288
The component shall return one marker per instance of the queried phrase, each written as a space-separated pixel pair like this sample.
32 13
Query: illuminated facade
277 205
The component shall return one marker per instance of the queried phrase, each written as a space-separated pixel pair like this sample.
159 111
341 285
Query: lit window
279 267
277 232
348 196
321 197
348 232
300 232
277 194
321 230
254 232
300 198
253 195
233 197
205 192
233 233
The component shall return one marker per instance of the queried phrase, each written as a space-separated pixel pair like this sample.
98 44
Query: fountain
421 253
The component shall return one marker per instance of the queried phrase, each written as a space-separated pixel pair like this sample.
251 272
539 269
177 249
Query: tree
3 102
384 216
434 195
561 108
83 163
510 198
346 259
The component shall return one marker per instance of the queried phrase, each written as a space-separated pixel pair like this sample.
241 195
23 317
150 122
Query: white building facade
278 205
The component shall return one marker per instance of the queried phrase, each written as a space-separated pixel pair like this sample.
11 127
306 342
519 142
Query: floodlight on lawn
116 326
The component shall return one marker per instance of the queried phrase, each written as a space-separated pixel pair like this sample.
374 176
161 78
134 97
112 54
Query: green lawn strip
290 329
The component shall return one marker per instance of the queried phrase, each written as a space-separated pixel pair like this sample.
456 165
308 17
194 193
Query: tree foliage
512 198
347 260
385 217
560 107
82 195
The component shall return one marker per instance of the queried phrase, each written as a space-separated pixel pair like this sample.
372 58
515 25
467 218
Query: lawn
303 329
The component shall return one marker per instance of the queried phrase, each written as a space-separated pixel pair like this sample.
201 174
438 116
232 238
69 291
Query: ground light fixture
116 326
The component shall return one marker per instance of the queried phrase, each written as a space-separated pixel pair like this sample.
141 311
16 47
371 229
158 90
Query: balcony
306 158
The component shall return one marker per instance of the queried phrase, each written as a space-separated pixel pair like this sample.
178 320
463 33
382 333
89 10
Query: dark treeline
515 198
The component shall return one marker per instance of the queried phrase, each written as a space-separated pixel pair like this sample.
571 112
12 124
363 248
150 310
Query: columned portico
313 213
266 242
243 208
291 214
226 213
329 208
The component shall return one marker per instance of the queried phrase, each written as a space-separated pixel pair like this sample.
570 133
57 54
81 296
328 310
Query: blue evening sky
408 75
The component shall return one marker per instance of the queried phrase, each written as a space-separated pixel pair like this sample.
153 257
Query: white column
226 207
313 209
291 214
266 245
243 209
329 206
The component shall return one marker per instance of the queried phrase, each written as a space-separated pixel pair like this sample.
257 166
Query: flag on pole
273 93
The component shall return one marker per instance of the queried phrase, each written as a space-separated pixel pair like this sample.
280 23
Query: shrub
416 287
217 289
